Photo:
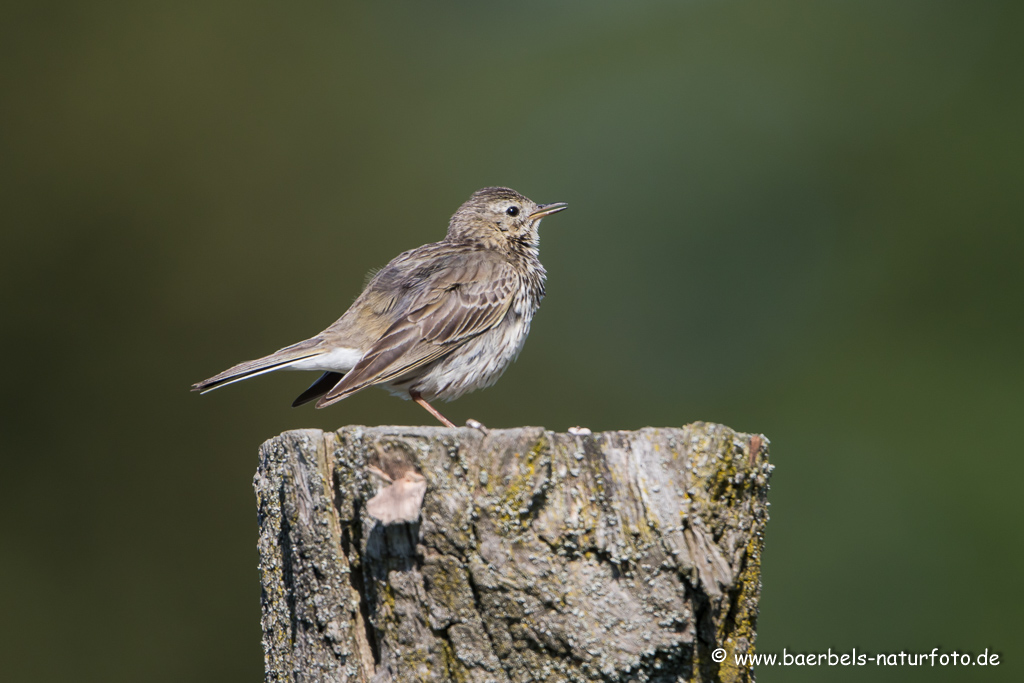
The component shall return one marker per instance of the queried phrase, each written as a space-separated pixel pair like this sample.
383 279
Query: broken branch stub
538 556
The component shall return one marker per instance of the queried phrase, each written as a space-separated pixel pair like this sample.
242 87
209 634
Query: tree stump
538 556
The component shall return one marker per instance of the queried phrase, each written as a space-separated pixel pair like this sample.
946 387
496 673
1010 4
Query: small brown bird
435 323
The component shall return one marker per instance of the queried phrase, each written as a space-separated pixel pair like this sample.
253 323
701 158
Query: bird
437 321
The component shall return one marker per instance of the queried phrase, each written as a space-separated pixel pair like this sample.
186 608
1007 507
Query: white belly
478 364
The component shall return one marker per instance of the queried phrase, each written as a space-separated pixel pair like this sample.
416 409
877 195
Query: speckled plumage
438 321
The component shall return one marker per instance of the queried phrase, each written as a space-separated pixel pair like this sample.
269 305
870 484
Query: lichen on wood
538 556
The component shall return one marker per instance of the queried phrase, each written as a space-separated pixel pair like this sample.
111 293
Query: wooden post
538 556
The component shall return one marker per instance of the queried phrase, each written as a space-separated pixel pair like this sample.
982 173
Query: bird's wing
455 305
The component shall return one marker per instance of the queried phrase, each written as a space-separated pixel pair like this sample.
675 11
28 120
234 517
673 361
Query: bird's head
500 215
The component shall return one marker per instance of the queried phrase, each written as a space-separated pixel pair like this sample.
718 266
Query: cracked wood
538 556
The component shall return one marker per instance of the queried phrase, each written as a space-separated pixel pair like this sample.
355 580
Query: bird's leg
431 409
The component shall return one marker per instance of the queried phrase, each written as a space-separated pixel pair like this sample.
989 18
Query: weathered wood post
538 556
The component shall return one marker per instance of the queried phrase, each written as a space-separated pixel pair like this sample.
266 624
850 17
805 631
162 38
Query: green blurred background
795 218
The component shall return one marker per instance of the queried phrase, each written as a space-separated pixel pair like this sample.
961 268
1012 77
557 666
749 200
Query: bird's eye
512 211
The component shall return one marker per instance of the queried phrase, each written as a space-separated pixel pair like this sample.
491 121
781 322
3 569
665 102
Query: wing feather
456 305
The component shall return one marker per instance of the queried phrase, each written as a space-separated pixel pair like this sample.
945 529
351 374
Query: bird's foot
476 424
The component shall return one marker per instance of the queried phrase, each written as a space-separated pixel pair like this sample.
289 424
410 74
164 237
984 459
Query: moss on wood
539 556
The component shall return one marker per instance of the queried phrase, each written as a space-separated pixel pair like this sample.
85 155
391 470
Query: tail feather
320 387
253 368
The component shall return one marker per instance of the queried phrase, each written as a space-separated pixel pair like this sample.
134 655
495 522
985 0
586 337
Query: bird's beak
548 209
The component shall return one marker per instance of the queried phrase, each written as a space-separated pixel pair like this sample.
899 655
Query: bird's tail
278 360
318 388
